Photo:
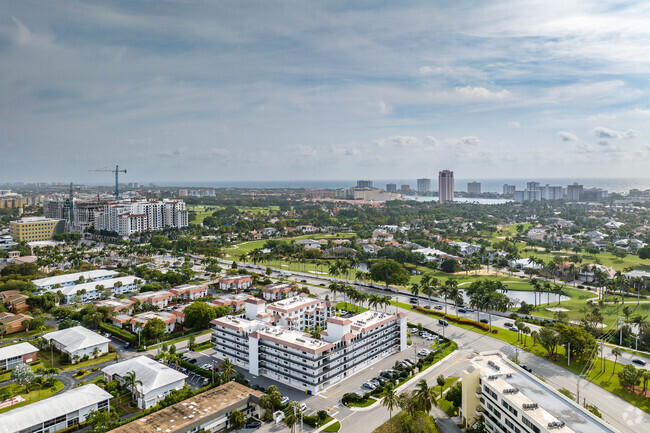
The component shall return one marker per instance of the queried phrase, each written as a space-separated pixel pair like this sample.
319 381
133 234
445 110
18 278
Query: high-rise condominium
364 184
474 188
446 185
424 185
391 187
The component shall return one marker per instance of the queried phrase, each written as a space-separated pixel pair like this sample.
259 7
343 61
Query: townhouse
116 305
190 291
140 320
235 283
160 298
274 292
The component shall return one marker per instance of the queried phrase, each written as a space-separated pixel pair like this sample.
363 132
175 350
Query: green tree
440 380
389 272
455 395
227 369
198 315
391 401
132 382
628 377
154 329
101 421
617 351
425 396
23 376
236 419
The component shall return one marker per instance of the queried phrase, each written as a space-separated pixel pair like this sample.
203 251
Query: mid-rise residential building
364 184
78 342
574 192
510 400
298 360
274 292
594 194
528 195
446 186
509 189
532 185
116 305
474 188
83 210
160 298
190 291
31 229
207 411
298 312
58 412
235 283
424 186
548 192
236 301
17 354
126 217
138 321
89 291
7 243
10 200
157 380
391 187
64 280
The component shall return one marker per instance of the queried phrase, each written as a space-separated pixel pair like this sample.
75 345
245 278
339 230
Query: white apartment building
160 298
276 291
94 290
190 291
235 282
157 379
65 280
296 313
513 401
298 360
78 342
132 216
55 413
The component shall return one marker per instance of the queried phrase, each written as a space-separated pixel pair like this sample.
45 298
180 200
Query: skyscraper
474 188
424 186
508 189
446 185
574 192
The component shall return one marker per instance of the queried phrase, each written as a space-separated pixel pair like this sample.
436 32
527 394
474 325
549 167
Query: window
530 424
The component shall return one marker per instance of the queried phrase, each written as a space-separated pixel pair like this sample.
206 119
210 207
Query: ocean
619 185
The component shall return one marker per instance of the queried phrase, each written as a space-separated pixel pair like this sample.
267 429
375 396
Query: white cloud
601 132
470 140
567 136
481 93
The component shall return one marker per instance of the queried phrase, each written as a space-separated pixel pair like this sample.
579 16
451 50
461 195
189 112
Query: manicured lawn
82 364
33 395
201 347
399 419
18 335
366 403
449 381
203 211
245 247
447 407
333 427
187 337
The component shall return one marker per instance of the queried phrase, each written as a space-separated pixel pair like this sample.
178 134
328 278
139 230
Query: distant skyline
259 91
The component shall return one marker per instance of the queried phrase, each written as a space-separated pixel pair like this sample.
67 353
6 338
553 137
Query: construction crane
73 188
116 171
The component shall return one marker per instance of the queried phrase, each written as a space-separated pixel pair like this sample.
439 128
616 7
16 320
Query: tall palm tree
131 382
415 290
447 290
227 369
616 352
425 396
390 402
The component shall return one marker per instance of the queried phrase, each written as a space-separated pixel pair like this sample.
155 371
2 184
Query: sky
290 90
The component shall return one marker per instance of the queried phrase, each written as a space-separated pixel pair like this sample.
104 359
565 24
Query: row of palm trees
359 297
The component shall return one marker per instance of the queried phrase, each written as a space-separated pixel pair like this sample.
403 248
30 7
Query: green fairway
203 211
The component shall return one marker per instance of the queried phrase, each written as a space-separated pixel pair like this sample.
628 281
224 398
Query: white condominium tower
446 186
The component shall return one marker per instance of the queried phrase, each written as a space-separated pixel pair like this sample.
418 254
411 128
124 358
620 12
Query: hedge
196 369
119 333
461 320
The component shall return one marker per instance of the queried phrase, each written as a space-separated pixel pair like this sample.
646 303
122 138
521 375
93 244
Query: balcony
479 392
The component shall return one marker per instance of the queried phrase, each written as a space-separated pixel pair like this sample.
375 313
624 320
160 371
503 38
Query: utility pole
517 354
620 327
602 343
568 354
578 391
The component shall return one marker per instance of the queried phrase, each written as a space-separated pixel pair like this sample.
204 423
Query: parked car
374 382
254 424
638 361
443 322
369 386
357 394
527 368
423 352
427 306
508 325
388 373
303 407
437 307
462 310
413 300
381 379
303 281
409 361
284 400
483 320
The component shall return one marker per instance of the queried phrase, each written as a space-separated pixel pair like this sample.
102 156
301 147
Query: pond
529 297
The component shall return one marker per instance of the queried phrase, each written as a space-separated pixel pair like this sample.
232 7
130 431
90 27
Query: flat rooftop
193 412
292 304
238 324
552 406
369 320
66 278
295 339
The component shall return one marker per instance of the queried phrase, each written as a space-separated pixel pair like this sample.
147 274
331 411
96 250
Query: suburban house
78 342
13 322
157 379
190 291
17 354
140 320
308 244
236 301
160 298
116 305
235 283
14 301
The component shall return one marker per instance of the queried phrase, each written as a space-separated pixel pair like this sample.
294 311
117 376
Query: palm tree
425 396
415 290
616 352
390 402
408 402
645 376
526 331
447 289
39 381
132 382
227 369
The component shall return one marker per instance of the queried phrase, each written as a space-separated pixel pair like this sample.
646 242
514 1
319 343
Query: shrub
495 331
322 415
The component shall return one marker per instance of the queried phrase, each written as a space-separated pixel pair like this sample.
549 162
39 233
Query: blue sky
273 90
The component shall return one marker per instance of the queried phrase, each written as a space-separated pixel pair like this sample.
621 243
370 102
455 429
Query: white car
303 407
284 400
423 352
369 386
